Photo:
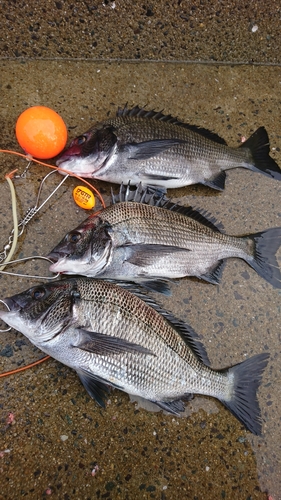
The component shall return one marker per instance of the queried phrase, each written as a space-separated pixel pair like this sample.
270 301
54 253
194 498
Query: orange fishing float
41 132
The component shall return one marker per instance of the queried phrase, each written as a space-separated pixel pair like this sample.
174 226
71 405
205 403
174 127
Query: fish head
85 250
88 153
43 311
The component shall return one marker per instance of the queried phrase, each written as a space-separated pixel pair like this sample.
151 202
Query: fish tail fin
262 258
244 380
258 143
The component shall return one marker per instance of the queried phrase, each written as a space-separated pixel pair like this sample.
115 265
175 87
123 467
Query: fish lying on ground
113 337
155 149
149 239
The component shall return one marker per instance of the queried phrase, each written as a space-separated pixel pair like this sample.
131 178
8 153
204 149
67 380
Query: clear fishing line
18 229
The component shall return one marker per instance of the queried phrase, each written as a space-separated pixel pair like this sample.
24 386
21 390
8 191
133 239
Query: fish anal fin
215 274
156 285
174 407
216 182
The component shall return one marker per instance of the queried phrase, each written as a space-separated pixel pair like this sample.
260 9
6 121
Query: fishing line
33 257
28 158
26 367
11 246
10 328
15 233
15 220
30 365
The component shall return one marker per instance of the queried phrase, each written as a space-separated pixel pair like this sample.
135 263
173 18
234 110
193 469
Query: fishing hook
27 275
19 227
10 328
33 210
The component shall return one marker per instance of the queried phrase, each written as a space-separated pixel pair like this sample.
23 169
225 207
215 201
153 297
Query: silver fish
113 337
157 149
143 237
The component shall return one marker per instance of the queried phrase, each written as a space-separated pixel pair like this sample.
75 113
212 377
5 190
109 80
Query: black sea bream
144 238
112 337
155 149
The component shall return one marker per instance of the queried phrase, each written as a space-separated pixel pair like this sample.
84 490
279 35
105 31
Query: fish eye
73 237
81 139
38 293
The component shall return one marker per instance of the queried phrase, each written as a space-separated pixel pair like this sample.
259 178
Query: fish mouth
91 265
55 256
69 154
12 309
58 261
11 305
63 159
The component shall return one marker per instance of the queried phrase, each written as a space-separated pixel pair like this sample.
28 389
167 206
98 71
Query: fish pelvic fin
97 389
245 379
258 143
263 260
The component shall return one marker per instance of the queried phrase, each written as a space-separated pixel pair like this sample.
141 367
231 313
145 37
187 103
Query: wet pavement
201 30
60 442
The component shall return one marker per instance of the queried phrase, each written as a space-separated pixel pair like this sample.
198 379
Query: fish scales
195 150
149 147
140 129
145 242
133 321
111 336
155 225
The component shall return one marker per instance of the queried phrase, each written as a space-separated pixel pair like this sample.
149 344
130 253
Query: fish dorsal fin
137 112
154 197
189 336
186 332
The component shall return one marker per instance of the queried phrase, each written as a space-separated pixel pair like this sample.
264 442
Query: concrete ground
59 436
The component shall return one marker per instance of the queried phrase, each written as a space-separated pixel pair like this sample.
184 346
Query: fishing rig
10 247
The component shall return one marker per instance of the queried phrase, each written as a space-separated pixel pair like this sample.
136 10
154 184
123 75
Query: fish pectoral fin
104 345
147 149
174 407
156 285
146 255
216 182
142 285
96 388
215 274
157 177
